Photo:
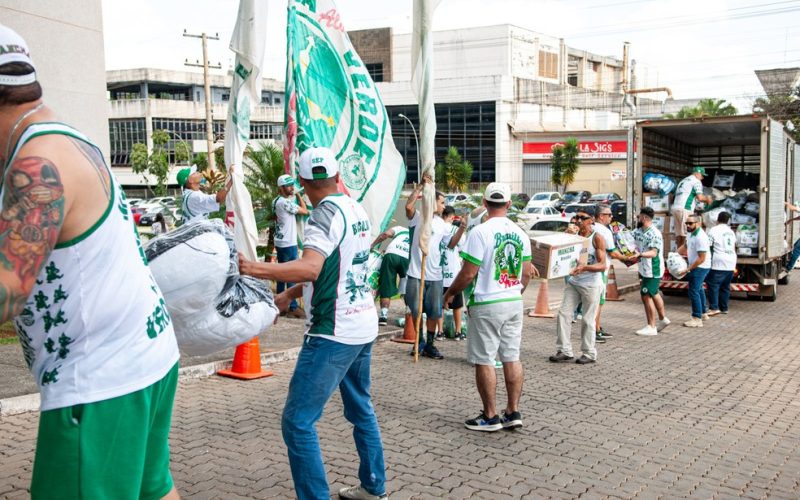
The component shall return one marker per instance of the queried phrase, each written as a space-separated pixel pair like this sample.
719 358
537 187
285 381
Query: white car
533 214
453 198
545 199
556 223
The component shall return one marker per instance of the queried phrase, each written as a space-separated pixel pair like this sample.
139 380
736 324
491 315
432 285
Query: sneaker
438 336
705 317
383 321
584 360
498 364
432 352
694 323
359 493
647 331
714 312
511 420
560 357
420 350
599 339
461 336
663 323
604 334
483 423
723 312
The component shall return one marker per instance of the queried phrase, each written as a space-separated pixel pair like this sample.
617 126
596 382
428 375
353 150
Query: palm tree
705 108
455 173
564 164
262 167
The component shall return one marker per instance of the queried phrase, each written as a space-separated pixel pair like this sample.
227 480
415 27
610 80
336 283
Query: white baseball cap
285 180
14 49
313 159
497 192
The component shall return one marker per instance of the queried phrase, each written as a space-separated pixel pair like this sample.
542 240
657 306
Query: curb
31 402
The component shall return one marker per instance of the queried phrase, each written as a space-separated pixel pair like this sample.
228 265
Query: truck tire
784 280
769 293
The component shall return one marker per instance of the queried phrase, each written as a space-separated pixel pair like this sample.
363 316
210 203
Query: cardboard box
670 244
659 204
556 255
664 223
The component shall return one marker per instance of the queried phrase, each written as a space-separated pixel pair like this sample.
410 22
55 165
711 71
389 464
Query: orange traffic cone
612 292
247 362
409 334
542 309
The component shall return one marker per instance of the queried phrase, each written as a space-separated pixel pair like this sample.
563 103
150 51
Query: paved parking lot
700 413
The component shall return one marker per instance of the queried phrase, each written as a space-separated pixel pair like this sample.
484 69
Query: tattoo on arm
95 160
30 221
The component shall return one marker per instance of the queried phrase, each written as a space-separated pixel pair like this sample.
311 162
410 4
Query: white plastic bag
740 218
677 265
747 236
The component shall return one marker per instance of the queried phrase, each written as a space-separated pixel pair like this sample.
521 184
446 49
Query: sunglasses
691 224
582 217
606 214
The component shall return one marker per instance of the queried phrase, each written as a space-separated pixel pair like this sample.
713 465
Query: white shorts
495 332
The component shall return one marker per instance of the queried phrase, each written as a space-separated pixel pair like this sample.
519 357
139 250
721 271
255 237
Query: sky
698 48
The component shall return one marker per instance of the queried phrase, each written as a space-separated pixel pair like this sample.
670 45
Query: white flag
249 37
331 101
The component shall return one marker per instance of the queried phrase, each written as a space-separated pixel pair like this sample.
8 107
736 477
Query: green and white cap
699 170
14 49
318 163
184 173
285 180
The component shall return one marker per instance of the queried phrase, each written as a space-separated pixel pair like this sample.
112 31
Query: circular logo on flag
352 171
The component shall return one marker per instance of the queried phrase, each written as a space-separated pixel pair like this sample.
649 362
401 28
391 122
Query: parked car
556 224
532 214
604 198
573 197
453 198
619 211
520 200
132 202
573 208
544 199
149 217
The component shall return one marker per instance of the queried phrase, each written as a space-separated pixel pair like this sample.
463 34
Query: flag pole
418 319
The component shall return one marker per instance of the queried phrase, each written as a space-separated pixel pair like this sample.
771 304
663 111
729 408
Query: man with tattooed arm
91 321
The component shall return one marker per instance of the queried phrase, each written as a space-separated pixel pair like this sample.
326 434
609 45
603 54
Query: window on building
123 134
548 64
572 80
226 97
276 100
375 71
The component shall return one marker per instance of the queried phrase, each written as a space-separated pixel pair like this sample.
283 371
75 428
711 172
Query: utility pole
207 87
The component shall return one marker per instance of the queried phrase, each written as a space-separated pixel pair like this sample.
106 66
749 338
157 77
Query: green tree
782 107
705 108
455 173
262 167
155 163
182 152
564 164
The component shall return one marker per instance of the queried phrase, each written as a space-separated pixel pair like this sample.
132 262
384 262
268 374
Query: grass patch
7 333
9 340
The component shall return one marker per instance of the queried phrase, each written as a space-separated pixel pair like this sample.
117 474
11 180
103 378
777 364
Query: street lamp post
416 141
186 144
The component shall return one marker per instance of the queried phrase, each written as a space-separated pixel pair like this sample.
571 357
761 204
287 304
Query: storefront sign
589 150
617 175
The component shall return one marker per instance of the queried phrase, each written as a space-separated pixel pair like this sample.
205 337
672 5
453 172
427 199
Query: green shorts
117 448
392 267
649 286
605 287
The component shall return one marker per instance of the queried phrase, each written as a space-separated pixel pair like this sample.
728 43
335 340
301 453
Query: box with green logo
556 255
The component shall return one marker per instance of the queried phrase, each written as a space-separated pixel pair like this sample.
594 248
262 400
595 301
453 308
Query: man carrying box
584 286
687 193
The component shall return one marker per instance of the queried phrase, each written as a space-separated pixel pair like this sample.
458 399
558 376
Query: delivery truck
752 157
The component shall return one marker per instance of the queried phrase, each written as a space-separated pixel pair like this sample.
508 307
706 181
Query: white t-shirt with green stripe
499 247
686 193
339 304
647 239
400 242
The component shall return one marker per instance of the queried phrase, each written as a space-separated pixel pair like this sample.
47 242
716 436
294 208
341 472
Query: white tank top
95 325
589 278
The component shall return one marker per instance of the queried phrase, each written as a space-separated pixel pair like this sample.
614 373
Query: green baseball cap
699 170
183 175
285 180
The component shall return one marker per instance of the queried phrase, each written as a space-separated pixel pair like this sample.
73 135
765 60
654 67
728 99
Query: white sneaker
663 324
694 323
359 493
648 331
705 317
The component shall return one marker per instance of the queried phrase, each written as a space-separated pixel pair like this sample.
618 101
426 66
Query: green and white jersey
499 247
608 238
697 243
400 243
450 259
339 304
198 205
286 222
722 241
95 325
686 193
440 238
647 239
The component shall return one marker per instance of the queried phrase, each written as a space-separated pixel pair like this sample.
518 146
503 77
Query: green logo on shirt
507 259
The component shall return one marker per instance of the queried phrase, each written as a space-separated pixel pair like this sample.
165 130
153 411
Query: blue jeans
795 255
696 293
719 289
322 366
287 254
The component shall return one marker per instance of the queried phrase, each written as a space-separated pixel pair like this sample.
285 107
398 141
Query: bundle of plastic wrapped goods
676 265
747 239
718 195
374 270
658 183
751 208
212 306
740 218
734 203
724 180
710 217
625 242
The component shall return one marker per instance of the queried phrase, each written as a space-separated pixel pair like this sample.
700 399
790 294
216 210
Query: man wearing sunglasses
584 286
604 219
697 250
